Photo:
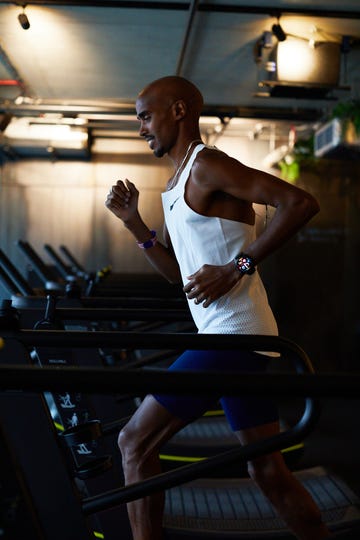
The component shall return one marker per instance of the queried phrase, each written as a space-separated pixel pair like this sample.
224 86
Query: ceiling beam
192 11
236 111
283 10
184 6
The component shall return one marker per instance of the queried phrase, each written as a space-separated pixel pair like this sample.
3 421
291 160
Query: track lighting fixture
278 32
23 20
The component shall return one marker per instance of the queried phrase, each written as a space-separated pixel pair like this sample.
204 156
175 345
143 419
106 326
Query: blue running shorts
241 412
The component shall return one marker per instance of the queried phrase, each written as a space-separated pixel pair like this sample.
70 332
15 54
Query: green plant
348 110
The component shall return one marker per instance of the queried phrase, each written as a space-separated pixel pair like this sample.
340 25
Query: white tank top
199 240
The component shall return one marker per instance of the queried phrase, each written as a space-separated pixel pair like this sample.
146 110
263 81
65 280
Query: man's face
157 125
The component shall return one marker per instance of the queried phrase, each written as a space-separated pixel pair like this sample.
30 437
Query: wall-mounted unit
337 139
297 70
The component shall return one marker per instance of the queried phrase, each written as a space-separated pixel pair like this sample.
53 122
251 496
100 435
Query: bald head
169 110
174 88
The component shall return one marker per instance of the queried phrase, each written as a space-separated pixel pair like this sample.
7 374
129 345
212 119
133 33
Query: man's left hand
211 282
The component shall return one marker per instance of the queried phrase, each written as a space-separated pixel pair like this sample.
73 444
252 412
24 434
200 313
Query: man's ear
179 109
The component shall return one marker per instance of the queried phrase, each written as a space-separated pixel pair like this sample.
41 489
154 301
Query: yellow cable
214 413
295 447
187 459
191 459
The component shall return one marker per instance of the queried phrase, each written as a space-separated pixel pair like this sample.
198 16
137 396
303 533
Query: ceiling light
278 32
296 62
24 21
56 134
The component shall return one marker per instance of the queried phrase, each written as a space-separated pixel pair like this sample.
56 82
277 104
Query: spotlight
278 32
24 21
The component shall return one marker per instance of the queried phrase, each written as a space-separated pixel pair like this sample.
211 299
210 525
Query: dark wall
313 281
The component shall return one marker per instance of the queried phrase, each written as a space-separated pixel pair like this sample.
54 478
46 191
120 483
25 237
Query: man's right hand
122 200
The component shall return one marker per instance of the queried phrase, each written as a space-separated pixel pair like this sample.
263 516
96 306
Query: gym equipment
45 273
190 529
97 283
200 439
12 278
340 514
194 436
124 285
82 466
24 296
28 300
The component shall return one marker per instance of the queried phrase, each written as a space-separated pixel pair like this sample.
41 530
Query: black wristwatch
244 263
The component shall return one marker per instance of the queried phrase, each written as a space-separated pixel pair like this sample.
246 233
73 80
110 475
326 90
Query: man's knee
129 446
139 451
141 438
123 439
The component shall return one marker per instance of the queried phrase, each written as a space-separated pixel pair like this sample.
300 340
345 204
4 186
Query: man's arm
294 206
122 201
215 172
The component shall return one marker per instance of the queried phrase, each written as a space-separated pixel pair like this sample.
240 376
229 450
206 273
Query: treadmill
221 508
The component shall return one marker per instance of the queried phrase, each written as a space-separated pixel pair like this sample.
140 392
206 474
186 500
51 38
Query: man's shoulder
213 163
211 153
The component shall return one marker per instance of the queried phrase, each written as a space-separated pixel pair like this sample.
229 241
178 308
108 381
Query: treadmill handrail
180 313
14 275
64 270
83 339
8 283
76 266
181 382
44 272
122 380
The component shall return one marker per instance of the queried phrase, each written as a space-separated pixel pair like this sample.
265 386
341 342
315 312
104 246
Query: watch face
244 264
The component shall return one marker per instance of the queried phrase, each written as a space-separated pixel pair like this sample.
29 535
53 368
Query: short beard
159 152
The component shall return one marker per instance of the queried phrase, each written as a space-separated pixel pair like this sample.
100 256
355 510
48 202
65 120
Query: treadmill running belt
225 508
